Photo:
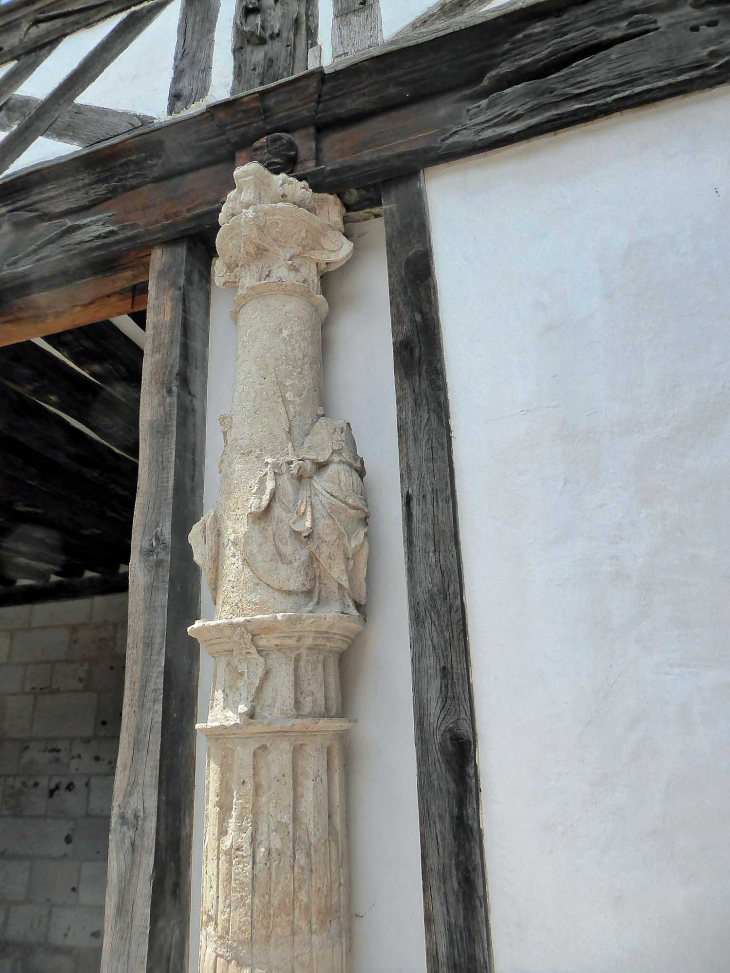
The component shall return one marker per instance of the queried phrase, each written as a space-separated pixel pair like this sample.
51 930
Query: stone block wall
61 688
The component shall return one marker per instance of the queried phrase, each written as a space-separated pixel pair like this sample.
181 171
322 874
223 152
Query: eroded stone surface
284 553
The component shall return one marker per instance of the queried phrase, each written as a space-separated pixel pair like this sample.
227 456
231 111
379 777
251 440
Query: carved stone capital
277 236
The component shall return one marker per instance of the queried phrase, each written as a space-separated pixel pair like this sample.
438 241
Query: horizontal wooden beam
505 76
26 25
73 305
35 594
76 124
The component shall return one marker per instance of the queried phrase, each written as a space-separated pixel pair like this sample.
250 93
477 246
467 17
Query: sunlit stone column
284 553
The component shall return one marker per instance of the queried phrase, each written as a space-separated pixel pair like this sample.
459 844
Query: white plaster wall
386 901
585 296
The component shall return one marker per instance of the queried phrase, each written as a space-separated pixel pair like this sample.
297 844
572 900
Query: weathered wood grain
64 590
22 70
439 95
85 302
35 372
452 855
192 68
26 25
76 124
356 26
271 39
440 13
47 111
148 891
104 353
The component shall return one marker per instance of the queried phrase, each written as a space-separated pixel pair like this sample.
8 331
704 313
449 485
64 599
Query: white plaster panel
139 79
584 290
385 858
387 922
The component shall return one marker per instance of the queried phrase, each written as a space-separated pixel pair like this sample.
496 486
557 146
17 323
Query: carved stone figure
284 553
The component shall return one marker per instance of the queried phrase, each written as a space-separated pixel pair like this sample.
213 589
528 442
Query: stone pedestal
284 552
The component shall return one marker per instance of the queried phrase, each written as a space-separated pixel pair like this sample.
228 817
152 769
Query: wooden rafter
26 25
104 353
34 371
76 124
48 110
22 70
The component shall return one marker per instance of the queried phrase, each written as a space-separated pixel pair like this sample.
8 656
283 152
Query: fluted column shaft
284 552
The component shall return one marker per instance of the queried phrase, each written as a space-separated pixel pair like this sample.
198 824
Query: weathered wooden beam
440 95
148 891
441 13
76 124
72 306
66 590
47 111
356 26
35 372
192 68
104 353
270 40
26 25
452 850
22 70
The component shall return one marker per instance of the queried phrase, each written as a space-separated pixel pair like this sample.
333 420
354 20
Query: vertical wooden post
452 850
356 26
148 890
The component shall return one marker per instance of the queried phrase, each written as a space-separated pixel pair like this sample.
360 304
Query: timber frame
76 240
522 70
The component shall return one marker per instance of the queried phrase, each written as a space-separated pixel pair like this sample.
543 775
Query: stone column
284 553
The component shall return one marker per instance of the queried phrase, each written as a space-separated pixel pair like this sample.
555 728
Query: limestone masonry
284 552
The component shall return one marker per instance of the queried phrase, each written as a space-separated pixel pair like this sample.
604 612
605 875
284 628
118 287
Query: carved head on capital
275 230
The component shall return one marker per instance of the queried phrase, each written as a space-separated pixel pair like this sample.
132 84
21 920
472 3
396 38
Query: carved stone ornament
284 552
